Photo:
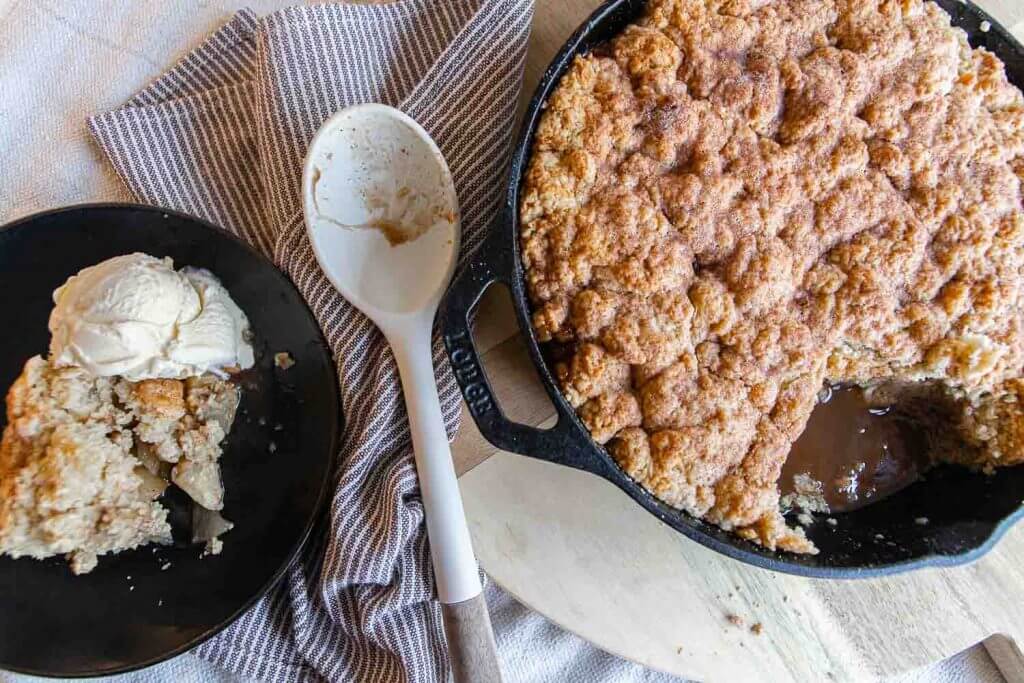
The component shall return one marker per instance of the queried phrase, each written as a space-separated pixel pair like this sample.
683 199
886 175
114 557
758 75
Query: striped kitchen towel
222 135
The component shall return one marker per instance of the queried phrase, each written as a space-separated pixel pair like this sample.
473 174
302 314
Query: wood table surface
579 551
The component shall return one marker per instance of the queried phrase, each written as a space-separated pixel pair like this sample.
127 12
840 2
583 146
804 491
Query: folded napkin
222 135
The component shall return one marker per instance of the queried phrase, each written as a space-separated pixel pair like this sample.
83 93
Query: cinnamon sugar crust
740 200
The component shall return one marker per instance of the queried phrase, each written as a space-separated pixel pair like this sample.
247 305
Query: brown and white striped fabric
222 135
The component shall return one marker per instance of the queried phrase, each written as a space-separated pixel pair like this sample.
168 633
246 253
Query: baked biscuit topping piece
68 480
736 202
83 459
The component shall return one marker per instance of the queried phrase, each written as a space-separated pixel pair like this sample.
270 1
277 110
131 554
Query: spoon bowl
381 210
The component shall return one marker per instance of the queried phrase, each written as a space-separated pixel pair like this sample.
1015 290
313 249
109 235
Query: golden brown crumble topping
739 200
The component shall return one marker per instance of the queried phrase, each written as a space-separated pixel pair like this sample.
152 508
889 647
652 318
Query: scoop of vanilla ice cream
137 317
216 337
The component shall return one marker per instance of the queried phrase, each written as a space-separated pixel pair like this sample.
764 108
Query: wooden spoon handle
471 647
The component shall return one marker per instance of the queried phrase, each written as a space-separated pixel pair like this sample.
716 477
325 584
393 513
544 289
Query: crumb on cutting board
757 629
283 360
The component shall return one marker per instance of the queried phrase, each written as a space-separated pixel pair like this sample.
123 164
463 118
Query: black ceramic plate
128 613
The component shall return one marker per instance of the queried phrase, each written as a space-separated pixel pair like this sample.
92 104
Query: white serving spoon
383 218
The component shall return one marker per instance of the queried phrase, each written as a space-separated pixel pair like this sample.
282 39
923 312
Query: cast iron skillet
128 613
966 512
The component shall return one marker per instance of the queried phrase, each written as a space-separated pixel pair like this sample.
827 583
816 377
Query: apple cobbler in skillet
734 203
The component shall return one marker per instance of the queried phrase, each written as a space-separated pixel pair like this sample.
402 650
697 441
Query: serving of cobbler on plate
135 396
735 204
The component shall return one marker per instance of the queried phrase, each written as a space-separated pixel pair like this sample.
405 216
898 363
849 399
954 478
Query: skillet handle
493 262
